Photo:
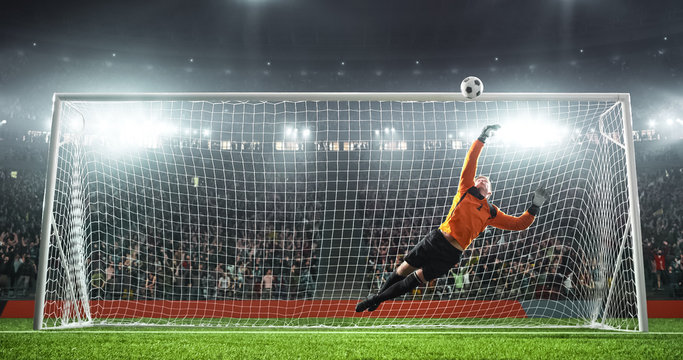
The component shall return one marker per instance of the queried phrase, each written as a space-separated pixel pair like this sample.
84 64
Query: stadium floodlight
525 133
652 124
3 122
306 132
320 218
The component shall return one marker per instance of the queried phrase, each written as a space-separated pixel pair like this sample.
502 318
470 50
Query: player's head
483 183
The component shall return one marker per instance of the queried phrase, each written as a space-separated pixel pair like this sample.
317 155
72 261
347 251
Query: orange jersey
470 212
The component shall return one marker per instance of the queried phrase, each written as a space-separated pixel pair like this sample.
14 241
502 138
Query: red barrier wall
309 308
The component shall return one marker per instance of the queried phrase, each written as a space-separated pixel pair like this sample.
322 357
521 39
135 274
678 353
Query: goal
286 209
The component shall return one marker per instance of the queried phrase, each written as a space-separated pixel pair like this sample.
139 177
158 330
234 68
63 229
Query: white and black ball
471 87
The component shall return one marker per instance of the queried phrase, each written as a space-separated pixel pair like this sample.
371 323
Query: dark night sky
631 46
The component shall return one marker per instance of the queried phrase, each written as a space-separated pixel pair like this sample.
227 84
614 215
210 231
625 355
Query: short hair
487 179
483 176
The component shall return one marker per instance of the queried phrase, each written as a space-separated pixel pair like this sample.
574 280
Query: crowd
183 235
157 235
20 218
252 233
266 264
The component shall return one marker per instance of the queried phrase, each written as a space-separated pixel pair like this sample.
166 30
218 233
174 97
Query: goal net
267 209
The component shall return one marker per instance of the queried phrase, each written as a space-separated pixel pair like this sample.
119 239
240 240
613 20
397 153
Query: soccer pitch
18 341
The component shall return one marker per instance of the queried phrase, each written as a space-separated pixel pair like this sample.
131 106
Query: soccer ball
471 87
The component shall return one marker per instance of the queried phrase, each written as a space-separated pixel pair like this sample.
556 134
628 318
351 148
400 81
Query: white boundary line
364 332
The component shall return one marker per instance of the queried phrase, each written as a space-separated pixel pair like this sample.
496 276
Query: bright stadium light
376 132
652 124
306 132
127 128
670 121
168 129
3 122
518 133
206 132
386 130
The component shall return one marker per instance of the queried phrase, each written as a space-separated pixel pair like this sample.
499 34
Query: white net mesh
287 213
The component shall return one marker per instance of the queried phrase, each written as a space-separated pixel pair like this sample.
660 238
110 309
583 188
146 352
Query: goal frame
623 99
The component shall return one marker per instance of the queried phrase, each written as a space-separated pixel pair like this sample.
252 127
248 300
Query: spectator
660 266
676 282
224 285
293 281
150 286
98 283
5 275
267 283
109 280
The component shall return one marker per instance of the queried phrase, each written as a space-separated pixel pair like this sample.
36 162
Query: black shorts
434 255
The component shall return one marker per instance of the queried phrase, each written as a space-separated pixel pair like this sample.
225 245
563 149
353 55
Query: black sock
399 288
393 279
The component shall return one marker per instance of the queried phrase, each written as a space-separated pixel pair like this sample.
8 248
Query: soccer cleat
368 303
373 307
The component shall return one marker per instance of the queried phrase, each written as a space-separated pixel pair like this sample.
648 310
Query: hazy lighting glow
531 133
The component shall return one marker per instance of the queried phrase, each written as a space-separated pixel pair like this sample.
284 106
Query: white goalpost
286 209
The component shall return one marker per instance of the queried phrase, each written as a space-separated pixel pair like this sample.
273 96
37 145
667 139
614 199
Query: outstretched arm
508 222
469 168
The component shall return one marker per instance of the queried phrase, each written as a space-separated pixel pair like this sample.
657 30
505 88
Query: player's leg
399 274
409 282
433 256
401 281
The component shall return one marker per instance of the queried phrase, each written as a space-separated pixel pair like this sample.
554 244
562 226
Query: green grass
17 341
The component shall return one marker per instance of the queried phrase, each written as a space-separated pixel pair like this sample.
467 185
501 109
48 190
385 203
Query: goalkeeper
469 215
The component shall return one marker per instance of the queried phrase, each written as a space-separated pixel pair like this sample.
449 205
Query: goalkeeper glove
488 131
540 197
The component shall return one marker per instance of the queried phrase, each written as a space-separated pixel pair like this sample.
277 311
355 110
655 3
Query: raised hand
541 195
488 130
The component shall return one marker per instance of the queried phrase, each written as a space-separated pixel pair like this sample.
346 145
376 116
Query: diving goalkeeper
469 215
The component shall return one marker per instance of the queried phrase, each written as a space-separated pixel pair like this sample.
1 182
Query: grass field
18 341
